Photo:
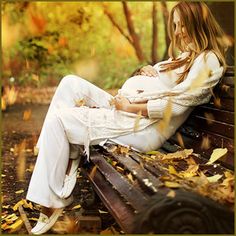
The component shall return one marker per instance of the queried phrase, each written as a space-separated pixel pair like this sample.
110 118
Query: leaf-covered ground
21 127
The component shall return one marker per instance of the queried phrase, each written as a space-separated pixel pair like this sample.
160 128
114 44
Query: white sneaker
70 180
45 223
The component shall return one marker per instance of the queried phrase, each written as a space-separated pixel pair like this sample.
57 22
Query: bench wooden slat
122 212
228 80
225 104
156 171
217 127
218 114
227 161
229 71
223 92
140 173
215 139
127 190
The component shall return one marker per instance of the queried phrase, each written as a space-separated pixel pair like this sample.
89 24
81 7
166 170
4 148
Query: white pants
54 147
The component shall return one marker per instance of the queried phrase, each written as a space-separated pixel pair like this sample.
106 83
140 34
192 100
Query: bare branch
133 34
109 15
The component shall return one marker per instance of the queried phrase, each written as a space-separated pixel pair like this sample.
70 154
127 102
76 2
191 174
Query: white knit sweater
182 95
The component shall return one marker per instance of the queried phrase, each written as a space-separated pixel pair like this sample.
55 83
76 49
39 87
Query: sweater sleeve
196 90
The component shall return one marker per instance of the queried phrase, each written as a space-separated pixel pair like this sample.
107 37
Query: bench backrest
211 125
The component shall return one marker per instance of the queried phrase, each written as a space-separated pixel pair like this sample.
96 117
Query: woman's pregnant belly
138 84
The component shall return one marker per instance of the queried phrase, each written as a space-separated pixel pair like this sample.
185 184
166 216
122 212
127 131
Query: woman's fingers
148 71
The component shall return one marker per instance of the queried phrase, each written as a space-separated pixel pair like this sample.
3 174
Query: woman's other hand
121 103
148 71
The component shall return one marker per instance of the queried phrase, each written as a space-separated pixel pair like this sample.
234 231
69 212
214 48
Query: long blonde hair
202 29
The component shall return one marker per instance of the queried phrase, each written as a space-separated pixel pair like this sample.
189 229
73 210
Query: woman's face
180 30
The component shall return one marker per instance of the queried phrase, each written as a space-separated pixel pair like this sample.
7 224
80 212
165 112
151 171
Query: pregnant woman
184 80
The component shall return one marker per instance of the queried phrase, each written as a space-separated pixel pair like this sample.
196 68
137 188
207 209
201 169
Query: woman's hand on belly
148 71
123 104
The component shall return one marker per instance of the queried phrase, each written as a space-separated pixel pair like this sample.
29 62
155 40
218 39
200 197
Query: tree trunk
166 17
133 34
109 15
154 34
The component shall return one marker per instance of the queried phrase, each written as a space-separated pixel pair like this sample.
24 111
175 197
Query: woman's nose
177 30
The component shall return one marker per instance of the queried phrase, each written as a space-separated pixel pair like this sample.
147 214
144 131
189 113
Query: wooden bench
158 193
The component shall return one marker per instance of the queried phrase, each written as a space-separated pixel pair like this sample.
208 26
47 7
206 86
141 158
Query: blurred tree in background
100 41
103 42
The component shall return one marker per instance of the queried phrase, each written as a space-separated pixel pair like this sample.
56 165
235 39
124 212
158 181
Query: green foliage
52 39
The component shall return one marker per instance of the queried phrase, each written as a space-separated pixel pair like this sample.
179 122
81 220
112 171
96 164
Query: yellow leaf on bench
178 155
217 154
170 184
214 178
76 207
171 193
172 170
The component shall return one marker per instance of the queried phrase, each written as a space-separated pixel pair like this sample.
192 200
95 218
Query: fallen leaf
27 114
3 104
190 172
137 120
11 95
20 191
80 102
62 41
225 87
170 184
130 177
76 207
205 145
200 80
35 77
190 161
217 102
217 154
66 226
164 123
152 152
93 172
16 206
21 161
119 169
178 155
171 194
214 178
180 139
102 212
111 148
36 151
172 170
33 219
124 150
209 117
